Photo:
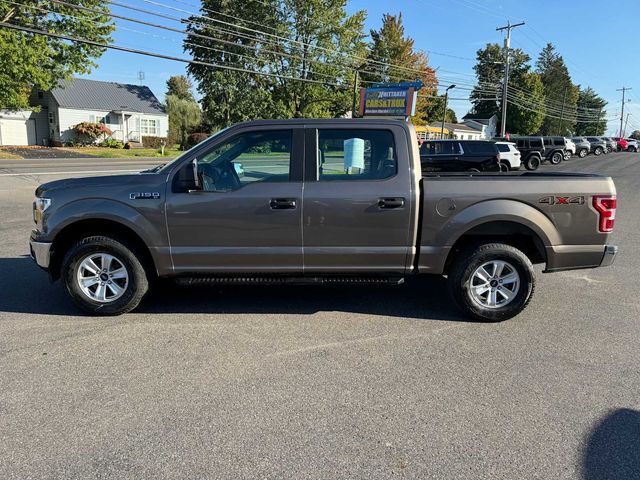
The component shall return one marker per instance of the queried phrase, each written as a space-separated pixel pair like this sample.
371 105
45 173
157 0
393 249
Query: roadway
327 382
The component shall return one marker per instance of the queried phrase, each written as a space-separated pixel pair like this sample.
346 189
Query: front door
246 215
358 213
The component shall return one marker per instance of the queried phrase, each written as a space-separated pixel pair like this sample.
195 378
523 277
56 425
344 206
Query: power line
160 55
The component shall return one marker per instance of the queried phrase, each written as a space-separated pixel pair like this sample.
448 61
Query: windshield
168 166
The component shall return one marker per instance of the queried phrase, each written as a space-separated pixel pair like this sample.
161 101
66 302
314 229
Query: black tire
632 149
505 166
583 153
532 163
556 158
598 151
469 260
135 288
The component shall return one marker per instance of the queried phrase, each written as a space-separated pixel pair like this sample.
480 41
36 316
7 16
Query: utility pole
444 113
355 93
623 90
598 123
564 99
507 57
625 125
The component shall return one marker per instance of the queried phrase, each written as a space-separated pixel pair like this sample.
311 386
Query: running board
286 280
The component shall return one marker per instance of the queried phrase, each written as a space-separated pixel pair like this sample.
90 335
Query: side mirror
196 177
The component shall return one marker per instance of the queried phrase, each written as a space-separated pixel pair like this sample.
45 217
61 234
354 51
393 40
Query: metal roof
94 95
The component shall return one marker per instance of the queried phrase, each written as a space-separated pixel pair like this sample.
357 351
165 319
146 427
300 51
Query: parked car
582 146
554 149
632 145
621 144
612 145
571 149
369 217
598 146
459 156
509 154
531 151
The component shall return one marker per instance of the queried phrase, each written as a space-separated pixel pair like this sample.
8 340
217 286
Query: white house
487 124
461 131
129 111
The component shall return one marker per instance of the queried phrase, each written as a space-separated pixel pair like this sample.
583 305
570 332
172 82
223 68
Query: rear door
358 200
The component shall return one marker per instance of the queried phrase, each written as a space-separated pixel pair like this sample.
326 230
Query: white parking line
65 173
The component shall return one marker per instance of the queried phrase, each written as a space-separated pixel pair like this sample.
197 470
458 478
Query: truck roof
326 121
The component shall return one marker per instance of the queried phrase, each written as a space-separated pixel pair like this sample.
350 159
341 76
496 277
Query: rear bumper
41 253
573 257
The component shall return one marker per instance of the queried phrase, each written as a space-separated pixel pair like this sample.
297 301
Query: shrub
111 143
154 142
92 131
196 138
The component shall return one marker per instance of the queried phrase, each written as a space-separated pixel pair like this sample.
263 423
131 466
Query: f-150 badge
144 195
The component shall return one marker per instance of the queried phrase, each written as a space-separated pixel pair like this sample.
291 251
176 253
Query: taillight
605 205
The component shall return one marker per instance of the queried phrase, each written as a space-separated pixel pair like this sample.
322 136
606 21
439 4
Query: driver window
260 156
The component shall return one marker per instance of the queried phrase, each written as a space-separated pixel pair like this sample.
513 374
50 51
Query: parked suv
531 150
612 145
571 149
621 144
632 145
459 156
555 149
509 155
598 146
582 146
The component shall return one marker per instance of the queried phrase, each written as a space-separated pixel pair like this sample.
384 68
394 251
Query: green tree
525 96
558 90
184 115
29 61
393 58
297 50
180 86
524 113
590 106
635 134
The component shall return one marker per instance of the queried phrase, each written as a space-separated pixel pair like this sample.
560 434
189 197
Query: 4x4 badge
551 200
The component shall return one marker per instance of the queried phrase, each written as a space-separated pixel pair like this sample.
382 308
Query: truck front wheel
532 163
103 276
491 282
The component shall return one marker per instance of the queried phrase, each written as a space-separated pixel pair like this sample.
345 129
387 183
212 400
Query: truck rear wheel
103 276
491 282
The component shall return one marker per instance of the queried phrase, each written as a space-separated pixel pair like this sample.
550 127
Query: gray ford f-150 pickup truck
319 201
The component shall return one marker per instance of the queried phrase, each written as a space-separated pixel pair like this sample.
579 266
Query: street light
444 113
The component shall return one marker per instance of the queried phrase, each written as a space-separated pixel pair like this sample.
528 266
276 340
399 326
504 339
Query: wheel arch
75 231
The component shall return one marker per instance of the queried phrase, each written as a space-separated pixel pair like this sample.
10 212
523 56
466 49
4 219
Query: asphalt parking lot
309 382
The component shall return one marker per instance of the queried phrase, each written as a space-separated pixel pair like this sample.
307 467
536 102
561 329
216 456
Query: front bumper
40 252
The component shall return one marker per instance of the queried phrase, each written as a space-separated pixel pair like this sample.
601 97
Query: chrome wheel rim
494 284
102 277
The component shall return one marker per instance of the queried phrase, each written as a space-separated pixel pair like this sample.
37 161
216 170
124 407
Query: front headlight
40 204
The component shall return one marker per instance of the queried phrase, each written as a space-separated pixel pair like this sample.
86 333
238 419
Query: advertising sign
396 100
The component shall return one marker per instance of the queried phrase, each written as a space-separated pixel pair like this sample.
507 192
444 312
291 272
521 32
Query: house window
52 117
92 119
149 126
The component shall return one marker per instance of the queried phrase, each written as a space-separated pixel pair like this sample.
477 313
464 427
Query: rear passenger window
484 148
503 148
356 154
536 143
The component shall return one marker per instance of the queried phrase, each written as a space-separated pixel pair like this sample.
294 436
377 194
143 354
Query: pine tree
558 90
393 58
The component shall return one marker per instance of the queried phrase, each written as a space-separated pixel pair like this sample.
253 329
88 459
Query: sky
595 40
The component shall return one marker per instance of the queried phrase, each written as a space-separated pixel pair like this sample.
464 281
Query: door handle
282 203
389 203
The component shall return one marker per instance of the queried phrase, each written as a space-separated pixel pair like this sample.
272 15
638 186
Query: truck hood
97 182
